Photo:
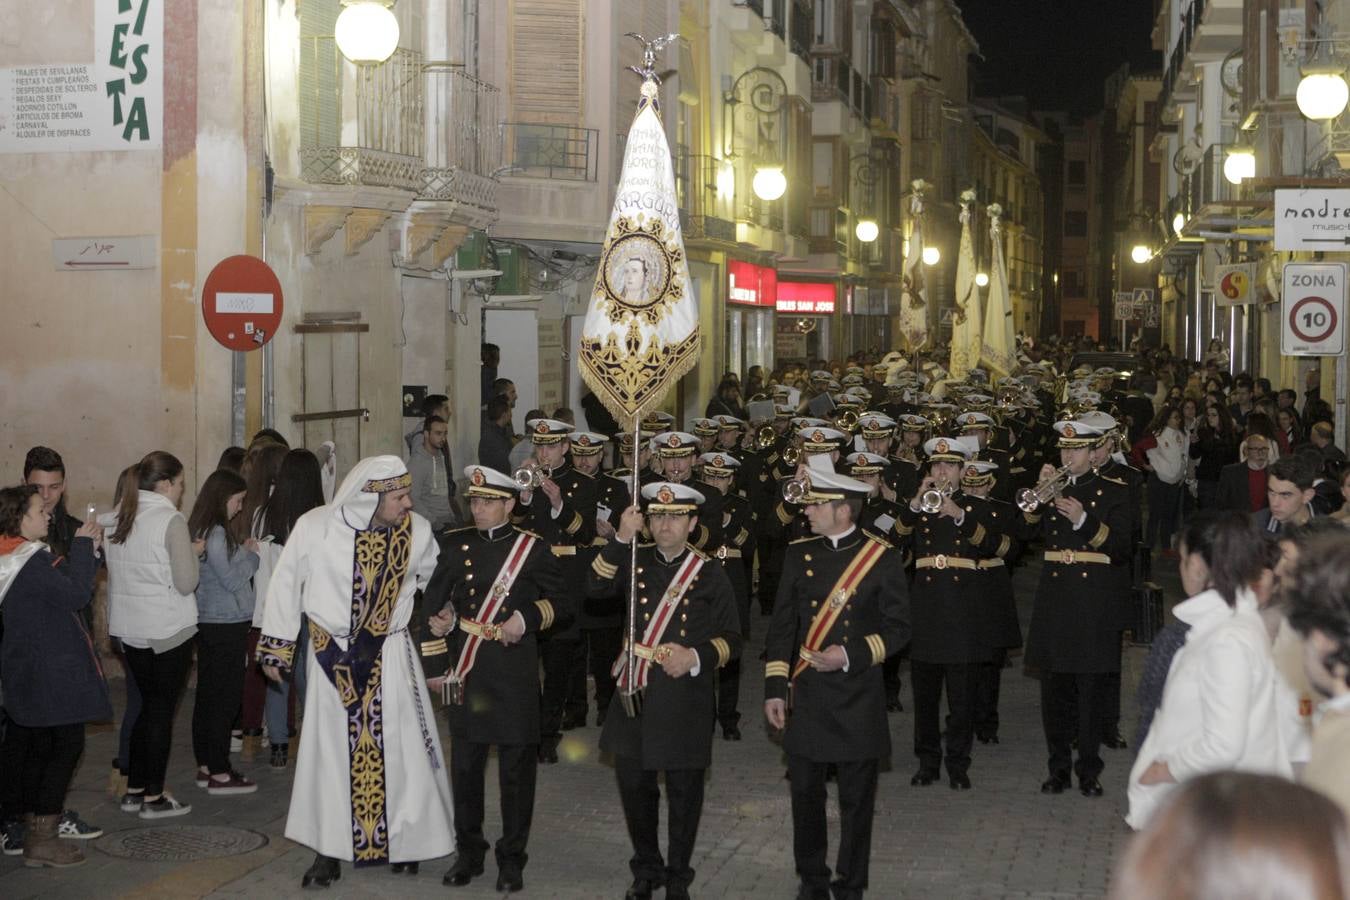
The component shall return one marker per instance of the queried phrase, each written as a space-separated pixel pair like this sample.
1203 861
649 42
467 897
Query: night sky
1058 52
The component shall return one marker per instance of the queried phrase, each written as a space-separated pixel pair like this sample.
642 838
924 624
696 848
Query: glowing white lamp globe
769 183
931 255
1239 165
1141 254
1322 94
867 230
366 31
1178 223
726 182
981 279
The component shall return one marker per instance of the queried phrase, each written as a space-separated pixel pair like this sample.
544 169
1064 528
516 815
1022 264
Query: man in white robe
370 783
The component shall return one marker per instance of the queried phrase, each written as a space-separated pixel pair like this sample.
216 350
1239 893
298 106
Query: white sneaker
163 808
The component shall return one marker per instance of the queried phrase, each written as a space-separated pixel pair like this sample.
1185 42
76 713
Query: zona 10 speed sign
1313 309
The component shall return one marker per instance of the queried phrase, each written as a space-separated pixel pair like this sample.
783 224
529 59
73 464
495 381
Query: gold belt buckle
661 654
492 632
940 561
1070 557
722 552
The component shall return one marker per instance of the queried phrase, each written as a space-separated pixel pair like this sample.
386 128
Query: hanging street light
366 31
770 183
1178 223
1239 164
981 279
867 230
1141 253
1322 93
931 255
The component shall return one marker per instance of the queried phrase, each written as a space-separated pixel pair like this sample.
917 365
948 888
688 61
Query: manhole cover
181 843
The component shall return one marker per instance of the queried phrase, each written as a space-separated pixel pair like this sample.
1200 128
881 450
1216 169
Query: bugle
931 500
527 478
1031 499
796 488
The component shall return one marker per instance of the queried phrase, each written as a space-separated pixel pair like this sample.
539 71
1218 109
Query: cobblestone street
1002 839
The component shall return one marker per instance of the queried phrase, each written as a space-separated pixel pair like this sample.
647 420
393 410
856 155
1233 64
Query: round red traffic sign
241 303
1313 319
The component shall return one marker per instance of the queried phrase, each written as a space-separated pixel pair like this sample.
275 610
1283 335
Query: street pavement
1003 839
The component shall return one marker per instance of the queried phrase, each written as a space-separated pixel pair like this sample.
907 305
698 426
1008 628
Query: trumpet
1031 499
765 437
931 500
795 489
527 478
792 455
846 421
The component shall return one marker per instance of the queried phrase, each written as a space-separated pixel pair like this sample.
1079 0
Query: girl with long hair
1216 446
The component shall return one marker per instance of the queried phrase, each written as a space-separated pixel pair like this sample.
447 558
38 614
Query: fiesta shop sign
113 102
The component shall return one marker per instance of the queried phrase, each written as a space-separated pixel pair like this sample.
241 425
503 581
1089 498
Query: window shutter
545 61
320 74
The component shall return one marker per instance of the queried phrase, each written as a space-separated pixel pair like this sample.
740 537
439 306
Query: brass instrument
792 455
527 478
931 500
765 437
1031 499
795 489
846 421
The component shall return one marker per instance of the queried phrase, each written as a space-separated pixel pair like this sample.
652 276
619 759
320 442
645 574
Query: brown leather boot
42 847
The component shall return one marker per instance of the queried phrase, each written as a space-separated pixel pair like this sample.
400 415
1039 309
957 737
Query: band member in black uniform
561 510
977 429
1074 638
907 457
646 475
738 525
761 482
676 450
687 629
729 431
706 432
817 442
948 606
497 588
597 620
881 511
999 611
841 610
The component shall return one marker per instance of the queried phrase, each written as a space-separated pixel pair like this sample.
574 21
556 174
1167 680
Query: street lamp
770 183
1239 164
1178 223
1322 93
981 279
1141 253
366 31
867 230
931 255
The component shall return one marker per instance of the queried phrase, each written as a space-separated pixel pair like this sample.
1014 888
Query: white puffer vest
142 601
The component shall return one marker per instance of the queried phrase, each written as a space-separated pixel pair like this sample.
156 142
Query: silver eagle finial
647 71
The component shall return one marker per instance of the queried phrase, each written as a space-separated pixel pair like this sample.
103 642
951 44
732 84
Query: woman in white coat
1220 707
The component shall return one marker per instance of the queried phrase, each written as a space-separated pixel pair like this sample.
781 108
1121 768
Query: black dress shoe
462 872
1055 784
1114 742
322 873
640 889
677 893
1090 787
405 868
959 782
923 778
987 738
894 706
548 753
731 732
509 881
806 892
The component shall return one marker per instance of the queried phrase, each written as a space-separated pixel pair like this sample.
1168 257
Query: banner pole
631 649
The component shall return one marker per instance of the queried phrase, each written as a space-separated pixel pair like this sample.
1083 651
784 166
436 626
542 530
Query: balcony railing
1206 186
702 210
829 229
832 78
386 108
563 152
463 137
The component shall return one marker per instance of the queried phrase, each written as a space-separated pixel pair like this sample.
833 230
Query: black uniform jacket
998 605
501 693
572 529
674 730
1075 622
837 716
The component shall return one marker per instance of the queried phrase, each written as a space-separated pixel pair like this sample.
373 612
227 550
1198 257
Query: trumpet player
561 510
676 451
907 457
1074 638
761 479
735 556
598 621
706 432
948 603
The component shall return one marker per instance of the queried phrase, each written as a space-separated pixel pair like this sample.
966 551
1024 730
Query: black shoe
1114 742
640 889
1090 787
677 892
806 892
462 872
959 783
1055 784
600 717
894 706
923 778
280 756
548 753
322 873
731 732
987 738
510 880
409 868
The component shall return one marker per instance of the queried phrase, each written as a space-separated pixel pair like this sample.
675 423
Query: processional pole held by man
641 331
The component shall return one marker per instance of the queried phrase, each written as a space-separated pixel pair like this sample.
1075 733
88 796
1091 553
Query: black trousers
221 652
641 798
1071 706
602 647
769 566
728 693
927 680
38 764
857 780
517 765
988 682
160 677
1111 705
564 661
890 675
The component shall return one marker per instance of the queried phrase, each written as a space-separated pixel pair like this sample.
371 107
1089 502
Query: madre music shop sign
114 102
1312 219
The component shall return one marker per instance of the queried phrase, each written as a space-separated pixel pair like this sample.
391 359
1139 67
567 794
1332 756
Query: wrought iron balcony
463 137
541 150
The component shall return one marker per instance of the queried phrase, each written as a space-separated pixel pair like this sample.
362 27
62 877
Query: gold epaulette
1118 481
813 537
620 474
530 533
697 552
873 536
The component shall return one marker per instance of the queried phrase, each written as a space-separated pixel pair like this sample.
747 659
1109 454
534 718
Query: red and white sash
661 617
496 597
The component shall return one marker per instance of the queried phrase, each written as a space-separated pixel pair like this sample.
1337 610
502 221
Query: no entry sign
241 303
1313 309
